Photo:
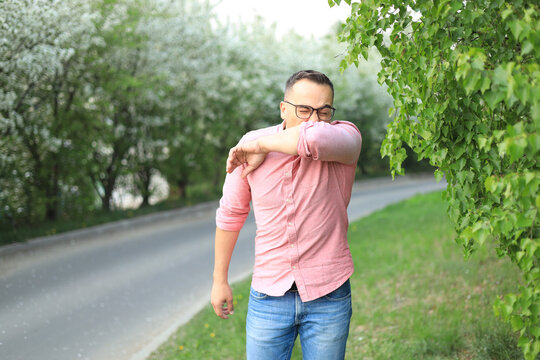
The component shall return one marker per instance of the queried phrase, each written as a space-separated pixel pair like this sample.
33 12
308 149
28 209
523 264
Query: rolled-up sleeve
339 141
234 204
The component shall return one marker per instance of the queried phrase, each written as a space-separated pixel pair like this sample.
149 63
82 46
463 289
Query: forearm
285 141
224 246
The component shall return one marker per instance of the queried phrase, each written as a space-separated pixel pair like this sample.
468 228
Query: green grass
414 296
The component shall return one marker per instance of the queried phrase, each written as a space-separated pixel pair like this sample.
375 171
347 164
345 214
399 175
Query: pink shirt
300 206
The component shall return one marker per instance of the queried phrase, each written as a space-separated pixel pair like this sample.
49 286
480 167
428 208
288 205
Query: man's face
304 92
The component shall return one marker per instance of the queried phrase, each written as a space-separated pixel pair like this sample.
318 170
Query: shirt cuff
303 148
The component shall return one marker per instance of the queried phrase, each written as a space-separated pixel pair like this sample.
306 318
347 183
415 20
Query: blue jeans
273 322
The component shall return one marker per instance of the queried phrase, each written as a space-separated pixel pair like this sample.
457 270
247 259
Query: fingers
218 309
224 308
249 154
234 159
222 300
230 307
230 167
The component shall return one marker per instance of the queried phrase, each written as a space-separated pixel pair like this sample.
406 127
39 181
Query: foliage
465 79
40 50
107 96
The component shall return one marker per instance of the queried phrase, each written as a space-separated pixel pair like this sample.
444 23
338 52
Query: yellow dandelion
181 347
206 326
235 302
212 335
240 297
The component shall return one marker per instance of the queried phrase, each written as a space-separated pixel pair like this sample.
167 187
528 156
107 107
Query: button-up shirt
300 207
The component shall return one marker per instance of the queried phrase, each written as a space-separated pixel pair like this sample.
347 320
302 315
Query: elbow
353 153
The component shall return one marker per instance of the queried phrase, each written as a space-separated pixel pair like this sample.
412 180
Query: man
298 176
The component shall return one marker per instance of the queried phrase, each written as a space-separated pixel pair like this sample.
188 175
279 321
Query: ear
282 108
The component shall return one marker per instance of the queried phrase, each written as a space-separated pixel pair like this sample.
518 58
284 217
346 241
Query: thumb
230 307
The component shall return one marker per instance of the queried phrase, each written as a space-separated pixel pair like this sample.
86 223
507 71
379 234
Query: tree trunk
52 194
182 185
145 177
106 203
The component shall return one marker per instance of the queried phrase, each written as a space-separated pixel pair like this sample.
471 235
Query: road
118 295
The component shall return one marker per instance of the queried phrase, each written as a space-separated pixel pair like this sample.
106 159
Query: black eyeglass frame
312 110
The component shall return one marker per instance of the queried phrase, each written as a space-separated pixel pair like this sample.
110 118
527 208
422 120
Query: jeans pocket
341 293
257 295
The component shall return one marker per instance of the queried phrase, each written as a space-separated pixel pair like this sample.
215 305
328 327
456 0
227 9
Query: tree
40 62
465 79
107 95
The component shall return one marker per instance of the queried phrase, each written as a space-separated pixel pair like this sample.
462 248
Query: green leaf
493 98
516 28
523 341
516 322
500 76
535 350
481 235
456 5
489 184
516 148
438 175
526 47
510 299
486 82
505 13
503 147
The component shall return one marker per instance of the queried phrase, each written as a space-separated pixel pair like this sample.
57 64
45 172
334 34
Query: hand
249 153
222 300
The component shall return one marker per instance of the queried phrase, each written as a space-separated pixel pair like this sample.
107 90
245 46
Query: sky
306 17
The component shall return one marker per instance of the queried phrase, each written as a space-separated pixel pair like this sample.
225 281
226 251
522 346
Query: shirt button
292 245
287 174
290 223
294 267
289 200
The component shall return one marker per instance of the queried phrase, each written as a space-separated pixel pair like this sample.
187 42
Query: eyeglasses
324 113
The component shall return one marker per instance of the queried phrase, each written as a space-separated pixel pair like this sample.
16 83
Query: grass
414 296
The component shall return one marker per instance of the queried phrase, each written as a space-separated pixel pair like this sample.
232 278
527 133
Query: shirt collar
282 126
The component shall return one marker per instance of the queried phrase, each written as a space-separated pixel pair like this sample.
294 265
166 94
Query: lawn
414 296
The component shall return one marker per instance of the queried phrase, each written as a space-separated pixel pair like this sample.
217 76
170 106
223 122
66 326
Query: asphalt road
120 292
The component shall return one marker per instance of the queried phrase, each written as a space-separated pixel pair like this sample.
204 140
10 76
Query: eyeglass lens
304 112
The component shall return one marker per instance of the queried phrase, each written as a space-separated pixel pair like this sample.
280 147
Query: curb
139 221
108 228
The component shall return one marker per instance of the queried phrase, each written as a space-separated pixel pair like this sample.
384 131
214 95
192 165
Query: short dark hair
312 75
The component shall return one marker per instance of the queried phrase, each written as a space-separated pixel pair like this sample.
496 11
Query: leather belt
293 287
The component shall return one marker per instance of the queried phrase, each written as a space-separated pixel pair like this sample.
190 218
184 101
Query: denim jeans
273 322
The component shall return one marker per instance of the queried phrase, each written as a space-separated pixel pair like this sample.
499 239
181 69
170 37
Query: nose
314 116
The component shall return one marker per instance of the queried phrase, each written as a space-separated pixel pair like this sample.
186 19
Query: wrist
221 279
262 145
